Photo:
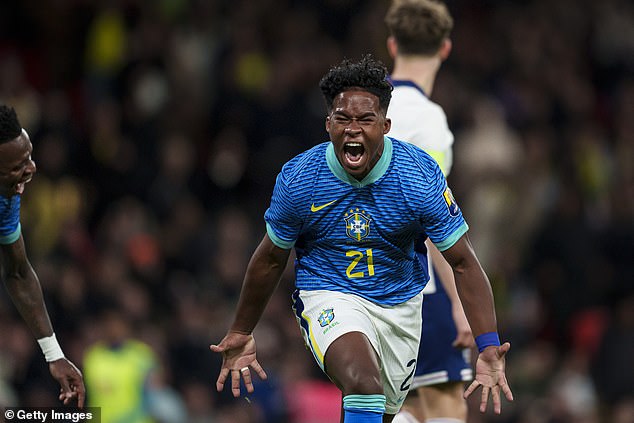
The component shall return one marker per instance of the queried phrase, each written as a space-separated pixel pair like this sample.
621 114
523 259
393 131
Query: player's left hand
490 374
238 357
70 380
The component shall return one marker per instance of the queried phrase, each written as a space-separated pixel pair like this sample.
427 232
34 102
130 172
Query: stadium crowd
158 129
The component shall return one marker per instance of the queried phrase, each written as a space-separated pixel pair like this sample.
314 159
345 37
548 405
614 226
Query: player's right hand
70 380
464 336
463 340
238 357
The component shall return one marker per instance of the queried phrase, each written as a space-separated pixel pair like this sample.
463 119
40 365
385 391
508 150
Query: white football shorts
393 331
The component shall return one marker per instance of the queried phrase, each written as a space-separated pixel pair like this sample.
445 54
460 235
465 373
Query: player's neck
419 69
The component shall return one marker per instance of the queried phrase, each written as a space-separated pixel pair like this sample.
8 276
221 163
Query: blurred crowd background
159 127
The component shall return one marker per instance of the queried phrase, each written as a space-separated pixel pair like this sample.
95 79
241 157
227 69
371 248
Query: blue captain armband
486 340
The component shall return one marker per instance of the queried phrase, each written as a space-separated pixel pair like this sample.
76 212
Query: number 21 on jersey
357 256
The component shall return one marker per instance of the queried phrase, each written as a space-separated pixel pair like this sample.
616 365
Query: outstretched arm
476 296
238 346
25 291
24 288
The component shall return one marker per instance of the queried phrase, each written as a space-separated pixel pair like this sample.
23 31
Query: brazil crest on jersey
9 219
358 236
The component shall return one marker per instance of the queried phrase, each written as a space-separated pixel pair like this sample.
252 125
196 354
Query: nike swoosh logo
314 208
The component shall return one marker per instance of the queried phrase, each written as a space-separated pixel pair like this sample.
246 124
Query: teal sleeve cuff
285 245
453 238
12 237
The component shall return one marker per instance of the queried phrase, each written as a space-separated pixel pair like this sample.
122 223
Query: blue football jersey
358 236
9 219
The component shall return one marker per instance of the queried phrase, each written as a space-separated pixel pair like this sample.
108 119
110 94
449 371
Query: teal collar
377 171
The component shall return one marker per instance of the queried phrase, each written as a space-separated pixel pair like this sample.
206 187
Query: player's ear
445 49
328 123
392 46
387 125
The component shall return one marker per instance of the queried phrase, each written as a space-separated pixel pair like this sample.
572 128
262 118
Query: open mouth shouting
353 153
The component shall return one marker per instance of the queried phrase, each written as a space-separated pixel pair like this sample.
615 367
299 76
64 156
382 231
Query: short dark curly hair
10 127
368 74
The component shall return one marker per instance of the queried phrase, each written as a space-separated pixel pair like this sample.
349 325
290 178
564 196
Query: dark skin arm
476 296
238 346
25 291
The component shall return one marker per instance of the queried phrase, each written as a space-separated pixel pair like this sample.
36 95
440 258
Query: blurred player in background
120 371
353 209
419 43
16 170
